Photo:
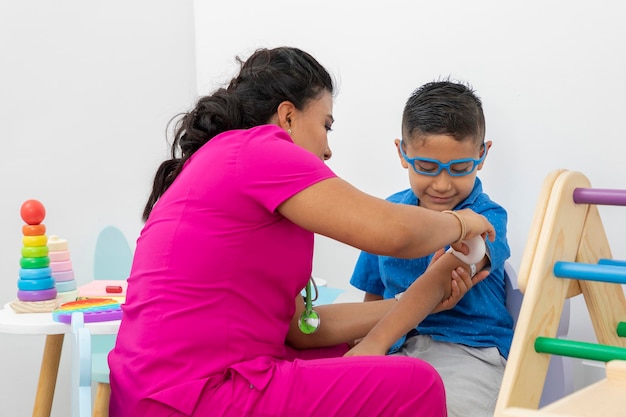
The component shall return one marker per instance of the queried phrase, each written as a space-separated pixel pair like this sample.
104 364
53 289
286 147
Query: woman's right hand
475 224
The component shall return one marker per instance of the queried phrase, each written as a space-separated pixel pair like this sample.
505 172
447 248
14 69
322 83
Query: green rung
621 329
581 350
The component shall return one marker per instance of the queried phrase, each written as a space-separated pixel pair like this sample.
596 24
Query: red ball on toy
32 212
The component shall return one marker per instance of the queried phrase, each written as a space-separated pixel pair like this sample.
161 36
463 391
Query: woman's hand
366 347
475 224
461 284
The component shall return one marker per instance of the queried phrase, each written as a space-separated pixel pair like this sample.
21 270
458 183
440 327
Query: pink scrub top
215 273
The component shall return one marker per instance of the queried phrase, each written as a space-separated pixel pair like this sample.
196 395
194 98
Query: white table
42 323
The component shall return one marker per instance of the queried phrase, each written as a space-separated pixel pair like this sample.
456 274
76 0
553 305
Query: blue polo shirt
480 318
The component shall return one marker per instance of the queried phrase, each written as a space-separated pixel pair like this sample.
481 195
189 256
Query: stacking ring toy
34 229
56 244
34 251
63 255
40 295
32 212
65 286
40 240
61 276
35 284
61 266
30 263
35 273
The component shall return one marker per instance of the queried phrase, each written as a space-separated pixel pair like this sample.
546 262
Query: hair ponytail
163 178
211 116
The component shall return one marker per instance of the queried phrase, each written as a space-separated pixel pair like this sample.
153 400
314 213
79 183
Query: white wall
86 91
552 76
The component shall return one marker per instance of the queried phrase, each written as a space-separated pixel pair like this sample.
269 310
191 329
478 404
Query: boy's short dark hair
444 108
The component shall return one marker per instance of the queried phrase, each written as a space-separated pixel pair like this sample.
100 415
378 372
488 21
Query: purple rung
606 197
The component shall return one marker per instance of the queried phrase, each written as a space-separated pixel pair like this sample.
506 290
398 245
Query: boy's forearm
346 322
417 302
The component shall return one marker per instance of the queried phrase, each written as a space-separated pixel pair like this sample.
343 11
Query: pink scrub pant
377 386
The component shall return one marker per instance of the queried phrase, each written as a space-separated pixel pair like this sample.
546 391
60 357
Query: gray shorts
471 376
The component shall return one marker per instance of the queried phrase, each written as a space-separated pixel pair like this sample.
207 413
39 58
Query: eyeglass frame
441 166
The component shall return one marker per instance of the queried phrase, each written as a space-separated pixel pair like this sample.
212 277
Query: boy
443 147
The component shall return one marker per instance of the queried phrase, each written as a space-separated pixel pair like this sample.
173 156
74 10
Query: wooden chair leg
101 403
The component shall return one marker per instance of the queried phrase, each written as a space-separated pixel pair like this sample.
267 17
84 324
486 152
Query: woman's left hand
461 284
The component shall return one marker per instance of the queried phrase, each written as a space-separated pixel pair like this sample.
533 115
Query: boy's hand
461 284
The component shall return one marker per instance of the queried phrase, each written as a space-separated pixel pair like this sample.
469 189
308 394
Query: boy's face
442 191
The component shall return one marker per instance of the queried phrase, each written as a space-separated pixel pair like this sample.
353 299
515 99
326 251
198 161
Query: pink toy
103 288
62 270
63 276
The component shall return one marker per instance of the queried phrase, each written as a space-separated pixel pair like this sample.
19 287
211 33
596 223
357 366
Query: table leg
48 375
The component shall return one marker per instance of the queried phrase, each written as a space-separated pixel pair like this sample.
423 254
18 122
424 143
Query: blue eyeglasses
433 167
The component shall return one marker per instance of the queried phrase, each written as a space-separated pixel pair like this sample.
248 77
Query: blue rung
612 262
591 272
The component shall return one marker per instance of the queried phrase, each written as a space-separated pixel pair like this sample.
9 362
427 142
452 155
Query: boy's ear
405 165
487 147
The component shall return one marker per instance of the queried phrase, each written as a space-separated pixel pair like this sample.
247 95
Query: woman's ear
284 114
405 165
486 150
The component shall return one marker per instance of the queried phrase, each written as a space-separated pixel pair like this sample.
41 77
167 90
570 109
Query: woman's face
310 126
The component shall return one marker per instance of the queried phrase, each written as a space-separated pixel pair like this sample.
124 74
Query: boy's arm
347 322
462 280
498 251
417 302
461 283
366 276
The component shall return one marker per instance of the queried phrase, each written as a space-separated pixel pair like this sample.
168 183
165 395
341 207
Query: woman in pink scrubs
210 324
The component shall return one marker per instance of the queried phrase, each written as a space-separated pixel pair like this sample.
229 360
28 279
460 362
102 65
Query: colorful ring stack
35 281
61 266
